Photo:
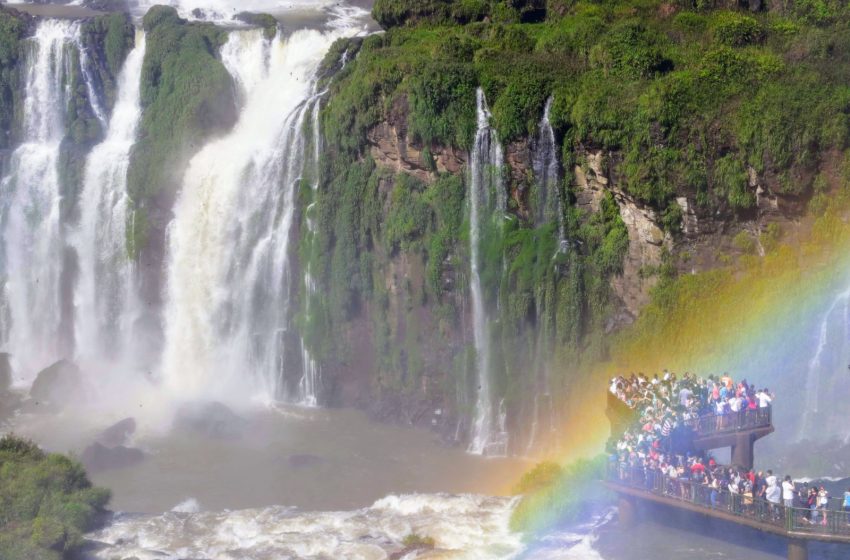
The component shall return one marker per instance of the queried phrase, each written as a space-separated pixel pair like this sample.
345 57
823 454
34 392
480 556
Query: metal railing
749 419
819 522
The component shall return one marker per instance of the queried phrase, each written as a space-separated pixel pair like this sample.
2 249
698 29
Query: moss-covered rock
187 95
266 22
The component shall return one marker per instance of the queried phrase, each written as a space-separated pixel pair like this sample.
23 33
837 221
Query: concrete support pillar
742 451
798 549
627 511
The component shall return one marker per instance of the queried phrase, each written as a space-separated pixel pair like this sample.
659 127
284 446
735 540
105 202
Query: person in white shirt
735 404
764 399
774 492
788 492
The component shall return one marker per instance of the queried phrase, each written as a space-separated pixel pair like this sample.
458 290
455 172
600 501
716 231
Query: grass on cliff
686 94
46 502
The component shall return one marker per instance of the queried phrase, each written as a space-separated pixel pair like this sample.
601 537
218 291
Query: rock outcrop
58 385
647 239
118 433
391 148
210 419
98 457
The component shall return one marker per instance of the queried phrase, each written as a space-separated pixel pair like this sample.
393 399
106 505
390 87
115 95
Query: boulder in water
98 457
55 386
118 433
211 419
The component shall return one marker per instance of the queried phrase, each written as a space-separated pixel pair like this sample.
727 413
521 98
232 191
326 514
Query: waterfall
91 90
105 301
550 203
33 257
308 387
488 434
227 315
831 355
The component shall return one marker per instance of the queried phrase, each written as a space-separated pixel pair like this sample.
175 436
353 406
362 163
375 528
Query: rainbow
760 318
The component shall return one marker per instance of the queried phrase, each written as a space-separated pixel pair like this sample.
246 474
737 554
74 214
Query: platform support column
798 549
742 451
627 511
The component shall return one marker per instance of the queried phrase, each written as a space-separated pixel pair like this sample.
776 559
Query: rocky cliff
686 140
639 141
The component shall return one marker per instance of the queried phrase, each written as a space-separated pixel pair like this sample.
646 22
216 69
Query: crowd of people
668 406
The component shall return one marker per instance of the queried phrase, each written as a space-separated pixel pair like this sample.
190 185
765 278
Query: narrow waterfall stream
831 355
547 176
486 198
310 385
34 257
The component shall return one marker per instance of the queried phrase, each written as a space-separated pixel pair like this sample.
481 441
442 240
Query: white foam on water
462 526
189 505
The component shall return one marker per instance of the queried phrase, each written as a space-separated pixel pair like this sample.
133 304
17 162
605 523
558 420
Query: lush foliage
46 502
688 97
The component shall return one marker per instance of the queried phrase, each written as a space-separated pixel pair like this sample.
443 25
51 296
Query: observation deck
739 431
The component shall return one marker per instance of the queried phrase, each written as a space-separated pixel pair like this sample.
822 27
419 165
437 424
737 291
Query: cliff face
637 142
685 140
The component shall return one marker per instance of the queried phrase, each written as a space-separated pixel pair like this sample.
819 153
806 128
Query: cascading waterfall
550 203
106 302
487 197
34 251
228 275
831 354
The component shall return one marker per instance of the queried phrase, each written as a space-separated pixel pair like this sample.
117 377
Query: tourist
788 492
773 494
811 506
823 504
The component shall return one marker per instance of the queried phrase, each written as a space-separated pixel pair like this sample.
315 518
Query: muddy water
308 458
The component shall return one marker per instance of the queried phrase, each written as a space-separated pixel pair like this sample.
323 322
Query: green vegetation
187 94
415 541
688 94
12 29
46 502
552 494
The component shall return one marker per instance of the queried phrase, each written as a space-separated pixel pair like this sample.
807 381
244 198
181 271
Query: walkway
753 512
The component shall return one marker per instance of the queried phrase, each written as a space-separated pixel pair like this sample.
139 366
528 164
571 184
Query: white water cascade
106 303
228 313
34 252
831 355
487 197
